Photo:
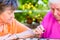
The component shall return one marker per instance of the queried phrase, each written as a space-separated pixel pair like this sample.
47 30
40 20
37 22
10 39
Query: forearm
26 34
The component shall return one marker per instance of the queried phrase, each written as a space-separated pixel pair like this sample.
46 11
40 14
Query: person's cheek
6 17
3 18
59 13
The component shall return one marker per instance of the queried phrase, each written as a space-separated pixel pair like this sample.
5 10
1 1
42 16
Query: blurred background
31 12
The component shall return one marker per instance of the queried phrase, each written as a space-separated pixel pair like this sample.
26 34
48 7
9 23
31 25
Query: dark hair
7 3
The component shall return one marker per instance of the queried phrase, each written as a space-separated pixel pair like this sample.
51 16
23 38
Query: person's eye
58 9
9 13
52 9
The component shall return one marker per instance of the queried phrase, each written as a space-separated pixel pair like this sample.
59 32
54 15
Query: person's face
7 15
55 8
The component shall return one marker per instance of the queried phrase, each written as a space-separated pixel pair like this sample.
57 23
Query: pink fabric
52 27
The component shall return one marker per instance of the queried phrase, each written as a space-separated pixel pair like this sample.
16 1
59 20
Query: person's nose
12 15
55 12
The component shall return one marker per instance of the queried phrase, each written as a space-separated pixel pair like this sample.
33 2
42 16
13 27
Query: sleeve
22 30
21 27
45 23
45 20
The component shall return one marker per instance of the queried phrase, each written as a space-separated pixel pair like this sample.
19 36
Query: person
10 28
51 22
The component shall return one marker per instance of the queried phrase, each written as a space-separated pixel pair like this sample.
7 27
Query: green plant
31 8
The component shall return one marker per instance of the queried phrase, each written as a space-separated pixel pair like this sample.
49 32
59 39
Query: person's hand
12 37
39 30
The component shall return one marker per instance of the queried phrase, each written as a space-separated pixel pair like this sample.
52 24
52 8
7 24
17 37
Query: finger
38 31
41 27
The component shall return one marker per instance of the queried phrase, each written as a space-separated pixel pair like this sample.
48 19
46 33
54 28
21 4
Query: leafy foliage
31 8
